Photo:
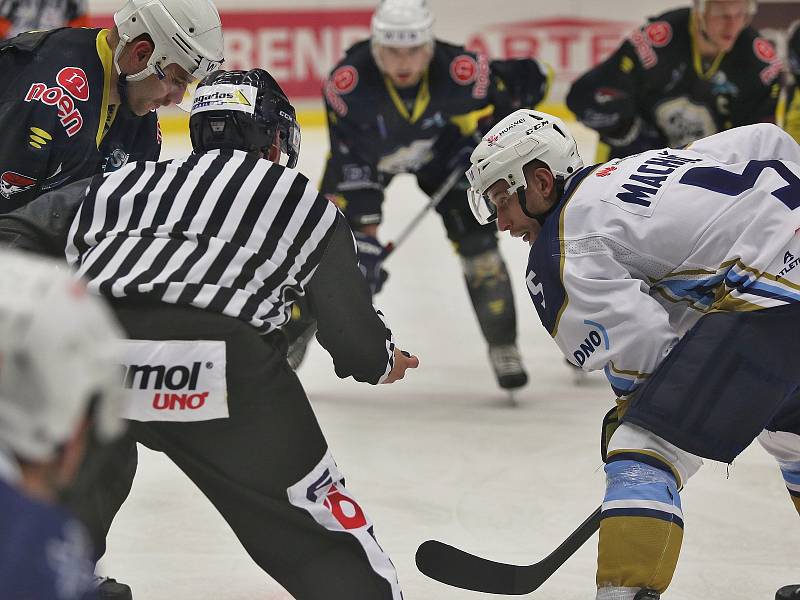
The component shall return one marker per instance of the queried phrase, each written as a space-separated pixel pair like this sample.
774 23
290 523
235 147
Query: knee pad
484 267
632 439
473 242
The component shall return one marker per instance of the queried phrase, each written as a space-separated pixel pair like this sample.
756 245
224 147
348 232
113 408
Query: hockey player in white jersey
677 272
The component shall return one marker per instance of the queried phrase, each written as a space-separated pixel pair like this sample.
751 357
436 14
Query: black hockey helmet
243 110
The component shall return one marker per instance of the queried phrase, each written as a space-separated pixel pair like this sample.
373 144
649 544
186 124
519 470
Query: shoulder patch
464 69
12 183
344 79
644 40
764 50
659 34
75 81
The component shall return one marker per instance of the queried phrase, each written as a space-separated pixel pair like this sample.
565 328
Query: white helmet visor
482 208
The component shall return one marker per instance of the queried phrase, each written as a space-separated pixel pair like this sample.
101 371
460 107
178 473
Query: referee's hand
402 361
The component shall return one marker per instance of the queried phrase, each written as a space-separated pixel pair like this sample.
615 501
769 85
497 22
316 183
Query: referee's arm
42 225
348 326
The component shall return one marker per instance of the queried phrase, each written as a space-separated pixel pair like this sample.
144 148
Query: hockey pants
266 468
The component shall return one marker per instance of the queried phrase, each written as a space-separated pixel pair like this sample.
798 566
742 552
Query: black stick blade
457 568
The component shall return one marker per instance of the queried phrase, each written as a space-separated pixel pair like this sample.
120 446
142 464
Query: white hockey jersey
639 248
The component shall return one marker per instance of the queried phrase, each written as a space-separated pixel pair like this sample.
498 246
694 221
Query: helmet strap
122 90
540 218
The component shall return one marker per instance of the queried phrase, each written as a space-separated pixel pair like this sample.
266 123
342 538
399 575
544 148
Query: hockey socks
641 527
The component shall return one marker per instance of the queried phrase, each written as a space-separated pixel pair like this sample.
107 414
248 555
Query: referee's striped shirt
222 231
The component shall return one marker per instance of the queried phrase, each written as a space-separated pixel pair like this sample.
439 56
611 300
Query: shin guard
492 299
641 527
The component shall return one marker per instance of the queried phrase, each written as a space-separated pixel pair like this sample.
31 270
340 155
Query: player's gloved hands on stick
370 260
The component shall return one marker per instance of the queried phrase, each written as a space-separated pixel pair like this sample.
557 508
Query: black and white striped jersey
222 231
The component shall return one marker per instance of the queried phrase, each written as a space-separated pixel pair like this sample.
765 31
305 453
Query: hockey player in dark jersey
59 395
81 101
404 102
791 118
18 16
199 256
686 74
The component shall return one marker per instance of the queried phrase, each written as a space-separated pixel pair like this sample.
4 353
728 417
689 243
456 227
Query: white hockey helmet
56 356
402 23
516 140
185 32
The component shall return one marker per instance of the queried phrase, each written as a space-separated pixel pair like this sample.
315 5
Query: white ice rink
442 455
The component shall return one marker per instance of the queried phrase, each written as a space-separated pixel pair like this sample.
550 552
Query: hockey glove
370 260
611 423
524 81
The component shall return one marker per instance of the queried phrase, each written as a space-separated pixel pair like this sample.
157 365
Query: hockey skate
647 594
111 589
788 592
508 369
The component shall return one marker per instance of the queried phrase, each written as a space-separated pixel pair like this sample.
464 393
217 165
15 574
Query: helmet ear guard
521 137
245 111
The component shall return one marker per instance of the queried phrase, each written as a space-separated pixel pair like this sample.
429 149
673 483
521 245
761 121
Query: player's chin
523 235
405 81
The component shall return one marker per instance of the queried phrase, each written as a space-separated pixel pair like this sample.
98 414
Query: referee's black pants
246 463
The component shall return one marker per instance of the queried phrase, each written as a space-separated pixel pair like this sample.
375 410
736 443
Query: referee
200 258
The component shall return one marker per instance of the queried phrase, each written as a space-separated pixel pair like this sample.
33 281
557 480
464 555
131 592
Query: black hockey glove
370 260
611 423
523 79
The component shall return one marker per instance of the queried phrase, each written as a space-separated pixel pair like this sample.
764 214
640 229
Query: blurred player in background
791 122
17 16
59 405
677 272
201 258
81 101
404 102
685 75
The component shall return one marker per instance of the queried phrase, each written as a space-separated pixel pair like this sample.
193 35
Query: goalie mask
523 136
245 111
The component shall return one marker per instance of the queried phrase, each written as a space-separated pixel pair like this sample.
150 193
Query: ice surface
441 455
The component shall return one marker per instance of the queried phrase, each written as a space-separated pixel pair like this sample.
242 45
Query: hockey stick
434 201
457 568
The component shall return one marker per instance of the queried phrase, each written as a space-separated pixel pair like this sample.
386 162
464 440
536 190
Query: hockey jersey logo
655 35
344 79
464 69
13 183
659 34
71 83
74 80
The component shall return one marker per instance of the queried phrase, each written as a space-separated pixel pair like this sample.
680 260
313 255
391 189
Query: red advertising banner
300 47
